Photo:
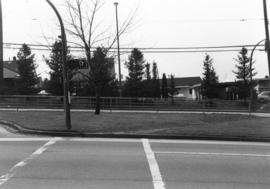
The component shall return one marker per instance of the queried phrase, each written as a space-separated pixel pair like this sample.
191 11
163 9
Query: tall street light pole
267 44
1 46
251 57
64 61
118 50
250 76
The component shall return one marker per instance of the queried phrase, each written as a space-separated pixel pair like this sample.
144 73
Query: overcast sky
158 23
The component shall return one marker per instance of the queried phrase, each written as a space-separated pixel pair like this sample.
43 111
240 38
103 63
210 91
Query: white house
188 87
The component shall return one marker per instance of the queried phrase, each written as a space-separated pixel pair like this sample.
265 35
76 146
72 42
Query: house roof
11 65
261 79
10 74
11 69
187 81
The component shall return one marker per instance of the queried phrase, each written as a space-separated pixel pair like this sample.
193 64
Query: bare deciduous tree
82 25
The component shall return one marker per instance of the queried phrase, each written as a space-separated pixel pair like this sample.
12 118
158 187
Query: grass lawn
217 125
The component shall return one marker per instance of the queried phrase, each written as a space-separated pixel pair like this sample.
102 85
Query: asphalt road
42 163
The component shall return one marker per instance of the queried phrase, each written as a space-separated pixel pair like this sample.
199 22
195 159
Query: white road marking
216 154
20 164
156 175
210 142
39 151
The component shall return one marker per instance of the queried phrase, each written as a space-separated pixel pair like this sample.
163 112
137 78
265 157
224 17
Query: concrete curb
194 111
74 133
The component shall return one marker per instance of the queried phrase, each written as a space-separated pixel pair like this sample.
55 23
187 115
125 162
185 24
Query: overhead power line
149 51
144 48
209 20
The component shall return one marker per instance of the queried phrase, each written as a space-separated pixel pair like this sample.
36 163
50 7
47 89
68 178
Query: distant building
188 87
11 69
262 84
81 73
227 90
230 90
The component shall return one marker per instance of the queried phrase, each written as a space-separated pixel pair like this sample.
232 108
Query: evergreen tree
27 70
147 72
155 81
172 87
146 90
243 67
210 78
243 72
100 74
55 84
135 66
164 86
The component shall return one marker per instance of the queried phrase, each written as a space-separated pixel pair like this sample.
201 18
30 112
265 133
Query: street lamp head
115 3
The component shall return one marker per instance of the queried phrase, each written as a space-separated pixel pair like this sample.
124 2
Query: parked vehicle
264 96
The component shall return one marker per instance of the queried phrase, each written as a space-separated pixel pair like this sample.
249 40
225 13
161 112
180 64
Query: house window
190 91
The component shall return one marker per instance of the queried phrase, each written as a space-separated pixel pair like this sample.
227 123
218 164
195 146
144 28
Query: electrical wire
151 52
144 48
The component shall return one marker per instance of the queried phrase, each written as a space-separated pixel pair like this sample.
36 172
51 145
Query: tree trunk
97 111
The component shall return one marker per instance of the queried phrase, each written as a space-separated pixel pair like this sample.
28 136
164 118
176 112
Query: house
10 69
188 87
230 90
227 90
81 72
262 84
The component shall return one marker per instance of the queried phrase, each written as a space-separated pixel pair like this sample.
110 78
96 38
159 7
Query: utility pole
118 50
267 44
1 46
64 61
250 76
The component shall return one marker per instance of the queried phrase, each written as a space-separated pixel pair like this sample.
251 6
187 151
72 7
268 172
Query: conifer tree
172 87
27 70
244 72
155 81
100 75
135 66
55 84
164 86
210 78
147 72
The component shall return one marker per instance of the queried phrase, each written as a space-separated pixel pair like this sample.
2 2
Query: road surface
40 163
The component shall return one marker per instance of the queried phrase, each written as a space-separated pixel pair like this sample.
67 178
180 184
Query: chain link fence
115 103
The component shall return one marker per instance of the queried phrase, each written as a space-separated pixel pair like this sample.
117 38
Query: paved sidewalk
236 112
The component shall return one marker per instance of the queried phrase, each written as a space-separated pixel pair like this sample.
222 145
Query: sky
157 24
